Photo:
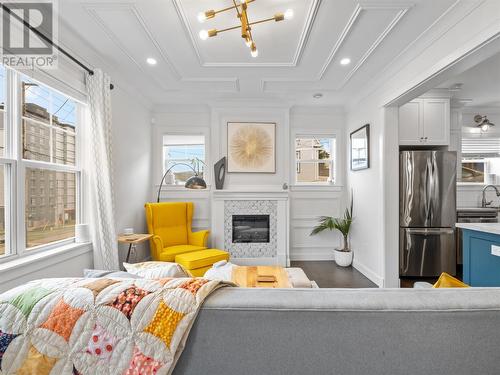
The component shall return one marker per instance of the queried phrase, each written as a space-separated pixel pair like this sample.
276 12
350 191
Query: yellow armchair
170 225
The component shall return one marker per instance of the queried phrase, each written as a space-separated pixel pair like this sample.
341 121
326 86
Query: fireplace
250 228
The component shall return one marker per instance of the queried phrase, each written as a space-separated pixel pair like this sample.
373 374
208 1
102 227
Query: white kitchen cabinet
425 122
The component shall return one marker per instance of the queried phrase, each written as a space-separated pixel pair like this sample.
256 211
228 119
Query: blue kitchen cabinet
481 265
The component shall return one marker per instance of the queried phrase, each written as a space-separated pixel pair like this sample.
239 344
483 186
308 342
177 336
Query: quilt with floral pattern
98 326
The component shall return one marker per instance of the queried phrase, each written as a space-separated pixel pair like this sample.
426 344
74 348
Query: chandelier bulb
484 128
203 34
289 14
202 17
254 52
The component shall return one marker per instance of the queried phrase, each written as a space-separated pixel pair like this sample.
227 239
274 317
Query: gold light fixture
241 7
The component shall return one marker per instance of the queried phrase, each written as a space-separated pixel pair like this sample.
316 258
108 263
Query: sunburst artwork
251 147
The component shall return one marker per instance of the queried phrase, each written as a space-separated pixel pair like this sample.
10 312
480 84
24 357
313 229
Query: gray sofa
345 331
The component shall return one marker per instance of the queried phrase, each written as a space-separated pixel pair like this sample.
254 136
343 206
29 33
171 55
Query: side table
132 240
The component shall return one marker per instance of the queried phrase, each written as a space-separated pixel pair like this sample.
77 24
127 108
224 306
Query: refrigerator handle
430 231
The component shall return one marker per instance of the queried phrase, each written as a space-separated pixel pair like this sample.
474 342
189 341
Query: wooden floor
328 275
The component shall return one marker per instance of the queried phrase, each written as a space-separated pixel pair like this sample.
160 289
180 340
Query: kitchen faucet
484 203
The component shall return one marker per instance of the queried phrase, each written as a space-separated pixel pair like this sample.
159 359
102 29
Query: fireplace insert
250 228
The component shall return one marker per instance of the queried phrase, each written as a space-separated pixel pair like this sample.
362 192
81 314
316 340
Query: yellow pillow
448 281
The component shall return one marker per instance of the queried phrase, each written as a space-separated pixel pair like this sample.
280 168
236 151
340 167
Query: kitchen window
480 161
315 160
39 170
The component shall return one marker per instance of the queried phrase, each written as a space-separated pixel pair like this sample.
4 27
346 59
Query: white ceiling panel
297 57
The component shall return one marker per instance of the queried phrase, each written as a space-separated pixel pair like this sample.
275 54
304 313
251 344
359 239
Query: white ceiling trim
372 48
92 11
360 7
234 80
402 9
304 36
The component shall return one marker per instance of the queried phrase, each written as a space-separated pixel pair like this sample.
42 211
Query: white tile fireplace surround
274 204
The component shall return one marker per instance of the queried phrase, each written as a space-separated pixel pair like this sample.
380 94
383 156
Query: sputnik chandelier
241 7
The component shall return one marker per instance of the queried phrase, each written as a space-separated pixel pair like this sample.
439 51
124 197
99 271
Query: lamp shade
195 182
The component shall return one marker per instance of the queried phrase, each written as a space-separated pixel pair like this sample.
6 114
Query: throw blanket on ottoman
98 326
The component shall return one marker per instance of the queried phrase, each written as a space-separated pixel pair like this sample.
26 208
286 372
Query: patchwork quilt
98 326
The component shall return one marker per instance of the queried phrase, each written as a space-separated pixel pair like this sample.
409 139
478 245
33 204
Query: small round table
132 240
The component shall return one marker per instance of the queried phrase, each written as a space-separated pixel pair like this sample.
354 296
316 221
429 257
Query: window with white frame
315 159
183 153
39 168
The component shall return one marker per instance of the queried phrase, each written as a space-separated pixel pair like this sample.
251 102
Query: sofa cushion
203 258
298 278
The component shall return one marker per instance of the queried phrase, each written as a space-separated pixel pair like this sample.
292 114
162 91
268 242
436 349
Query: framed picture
360 148
251 147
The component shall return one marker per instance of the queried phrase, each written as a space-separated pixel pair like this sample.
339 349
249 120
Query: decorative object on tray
251 147
360 148
220 173
343 256
266 279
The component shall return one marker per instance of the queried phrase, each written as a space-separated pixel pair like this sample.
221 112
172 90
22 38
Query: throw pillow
448 281
156 270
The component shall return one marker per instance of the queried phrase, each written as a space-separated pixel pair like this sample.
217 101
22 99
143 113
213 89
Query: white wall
306 204
131 166
375 234
367 190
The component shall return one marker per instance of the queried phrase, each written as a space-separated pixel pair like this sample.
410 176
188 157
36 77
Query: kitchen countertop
493 228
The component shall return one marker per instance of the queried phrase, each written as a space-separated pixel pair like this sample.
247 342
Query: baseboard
311 256
368 273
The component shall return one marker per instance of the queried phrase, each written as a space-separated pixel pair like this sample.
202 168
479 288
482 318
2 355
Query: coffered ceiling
297 58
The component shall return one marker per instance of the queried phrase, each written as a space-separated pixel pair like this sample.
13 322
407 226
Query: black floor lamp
194 182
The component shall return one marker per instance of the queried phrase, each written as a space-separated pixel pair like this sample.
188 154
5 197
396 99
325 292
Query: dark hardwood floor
328 275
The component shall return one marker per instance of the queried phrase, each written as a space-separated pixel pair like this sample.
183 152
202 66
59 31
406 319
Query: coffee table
246 276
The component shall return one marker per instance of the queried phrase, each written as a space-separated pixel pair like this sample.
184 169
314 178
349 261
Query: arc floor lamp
194 182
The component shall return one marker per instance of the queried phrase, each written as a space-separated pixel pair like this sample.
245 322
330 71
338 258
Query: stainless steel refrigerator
427 213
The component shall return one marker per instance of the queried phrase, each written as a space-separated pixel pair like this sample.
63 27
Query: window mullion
18 196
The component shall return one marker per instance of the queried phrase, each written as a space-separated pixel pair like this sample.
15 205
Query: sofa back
345 331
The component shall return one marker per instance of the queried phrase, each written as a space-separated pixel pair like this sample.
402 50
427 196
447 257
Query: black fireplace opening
250 228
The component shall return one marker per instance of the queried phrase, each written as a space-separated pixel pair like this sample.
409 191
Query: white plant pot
343 258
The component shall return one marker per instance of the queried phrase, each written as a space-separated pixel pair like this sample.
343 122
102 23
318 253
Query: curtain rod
48 40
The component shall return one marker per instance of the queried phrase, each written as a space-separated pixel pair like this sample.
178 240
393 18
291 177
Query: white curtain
100 172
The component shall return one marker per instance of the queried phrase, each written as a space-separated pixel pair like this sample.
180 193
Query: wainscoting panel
305 209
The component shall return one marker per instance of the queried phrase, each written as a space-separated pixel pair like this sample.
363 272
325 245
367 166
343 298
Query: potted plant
343 256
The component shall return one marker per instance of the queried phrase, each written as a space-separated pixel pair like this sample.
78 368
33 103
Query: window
480 160
188 150
314 160
42 169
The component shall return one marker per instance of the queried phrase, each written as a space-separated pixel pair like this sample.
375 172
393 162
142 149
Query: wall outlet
495 250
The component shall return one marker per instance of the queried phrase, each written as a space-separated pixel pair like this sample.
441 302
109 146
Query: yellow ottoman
199 262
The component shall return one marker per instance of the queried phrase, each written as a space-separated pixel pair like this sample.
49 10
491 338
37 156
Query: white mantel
278 196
